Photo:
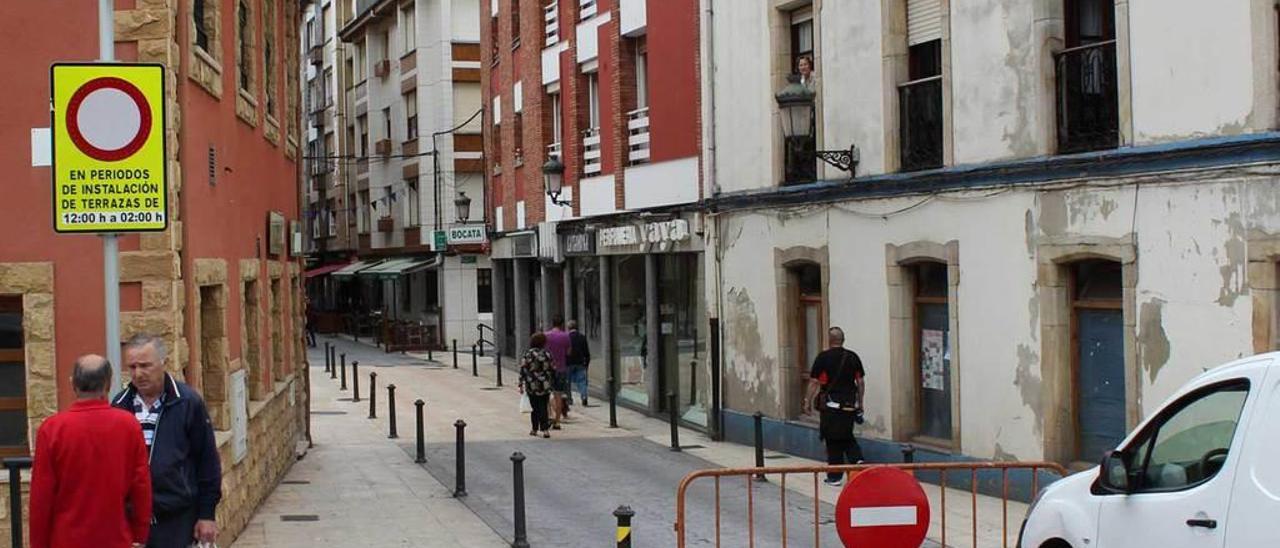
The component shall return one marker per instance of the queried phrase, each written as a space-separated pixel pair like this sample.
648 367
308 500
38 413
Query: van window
1189 446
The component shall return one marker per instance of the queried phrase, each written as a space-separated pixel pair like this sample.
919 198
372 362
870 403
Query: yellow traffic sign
109 168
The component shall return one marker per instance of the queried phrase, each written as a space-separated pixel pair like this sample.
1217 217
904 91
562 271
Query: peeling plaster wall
1192 69
850 49
996 72
1186 240
1187 69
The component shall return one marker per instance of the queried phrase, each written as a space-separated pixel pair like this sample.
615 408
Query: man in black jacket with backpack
836 387
186 473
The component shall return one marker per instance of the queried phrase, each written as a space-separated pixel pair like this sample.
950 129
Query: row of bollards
336 366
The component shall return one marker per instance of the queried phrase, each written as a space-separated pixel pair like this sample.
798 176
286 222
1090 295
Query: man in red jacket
90 485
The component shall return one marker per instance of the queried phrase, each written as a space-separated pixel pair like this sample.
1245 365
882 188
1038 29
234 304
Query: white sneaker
833 483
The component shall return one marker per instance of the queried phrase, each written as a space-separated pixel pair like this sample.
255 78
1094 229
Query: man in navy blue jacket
186 474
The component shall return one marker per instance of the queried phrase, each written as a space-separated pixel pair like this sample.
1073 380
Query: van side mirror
1114 475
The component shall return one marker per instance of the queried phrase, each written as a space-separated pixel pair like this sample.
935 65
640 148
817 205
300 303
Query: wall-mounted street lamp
796 105
463 206
553 180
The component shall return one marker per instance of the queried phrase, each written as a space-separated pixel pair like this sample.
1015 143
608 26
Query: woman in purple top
558 347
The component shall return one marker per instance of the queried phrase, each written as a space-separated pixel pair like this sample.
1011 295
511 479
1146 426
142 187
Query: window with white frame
388 201
411 203
360 74
333 222
362 213
642 73
411 115
409 27
593 102
557 126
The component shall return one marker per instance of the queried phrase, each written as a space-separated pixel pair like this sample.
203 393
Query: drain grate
299 517
491 388
295 482
328 412
693 447
777 457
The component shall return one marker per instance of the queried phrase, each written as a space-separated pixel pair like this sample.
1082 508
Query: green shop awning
353 268
399 267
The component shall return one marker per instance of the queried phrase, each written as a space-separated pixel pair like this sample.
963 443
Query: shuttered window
924 21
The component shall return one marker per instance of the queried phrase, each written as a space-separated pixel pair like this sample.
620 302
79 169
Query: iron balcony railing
591 155
638 136
920 123
1087 98
551 20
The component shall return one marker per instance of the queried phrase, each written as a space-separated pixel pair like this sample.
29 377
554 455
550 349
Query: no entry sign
882 507
109 171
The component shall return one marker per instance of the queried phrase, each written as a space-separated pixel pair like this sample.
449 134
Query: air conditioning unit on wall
383 147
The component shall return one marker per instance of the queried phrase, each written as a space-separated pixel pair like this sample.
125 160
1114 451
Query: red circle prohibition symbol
144 119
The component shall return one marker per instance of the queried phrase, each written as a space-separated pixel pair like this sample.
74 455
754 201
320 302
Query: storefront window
586 297
683 332
630 327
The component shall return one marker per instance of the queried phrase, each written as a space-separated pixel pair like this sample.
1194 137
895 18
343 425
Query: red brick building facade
611 90
221 285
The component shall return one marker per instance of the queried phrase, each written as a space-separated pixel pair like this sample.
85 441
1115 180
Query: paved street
354 488
364 486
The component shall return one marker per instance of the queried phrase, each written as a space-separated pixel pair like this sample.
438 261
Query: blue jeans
578 379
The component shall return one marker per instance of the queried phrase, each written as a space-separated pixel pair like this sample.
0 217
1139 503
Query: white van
1202 472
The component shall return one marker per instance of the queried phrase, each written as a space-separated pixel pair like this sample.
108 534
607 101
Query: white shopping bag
525 406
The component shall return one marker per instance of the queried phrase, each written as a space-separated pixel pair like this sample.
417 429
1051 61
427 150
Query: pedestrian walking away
578 359
312 319
836 385
536 374
186 475
558 348
90 485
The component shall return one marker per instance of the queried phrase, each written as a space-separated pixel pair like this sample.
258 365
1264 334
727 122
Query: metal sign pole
110 242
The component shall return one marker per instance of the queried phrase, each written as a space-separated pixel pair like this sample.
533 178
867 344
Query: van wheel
1056 543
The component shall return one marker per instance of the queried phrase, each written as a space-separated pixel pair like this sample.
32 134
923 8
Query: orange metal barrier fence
751 478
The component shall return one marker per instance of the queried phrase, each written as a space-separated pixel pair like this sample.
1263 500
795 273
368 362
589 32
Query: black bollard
693 383
391 410
343 373
355 381
474 363
460 460
613 403
497 362
422 442
673 415
333 360
517 476
430 355
624 515
373 395
327 364
908 453
455 353
758 418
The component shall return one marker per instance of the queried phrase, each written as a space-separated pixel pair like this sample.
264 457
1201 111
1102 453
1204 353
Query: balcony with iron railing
586 9
638 136
920 123
591 155
1087 98
551 18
